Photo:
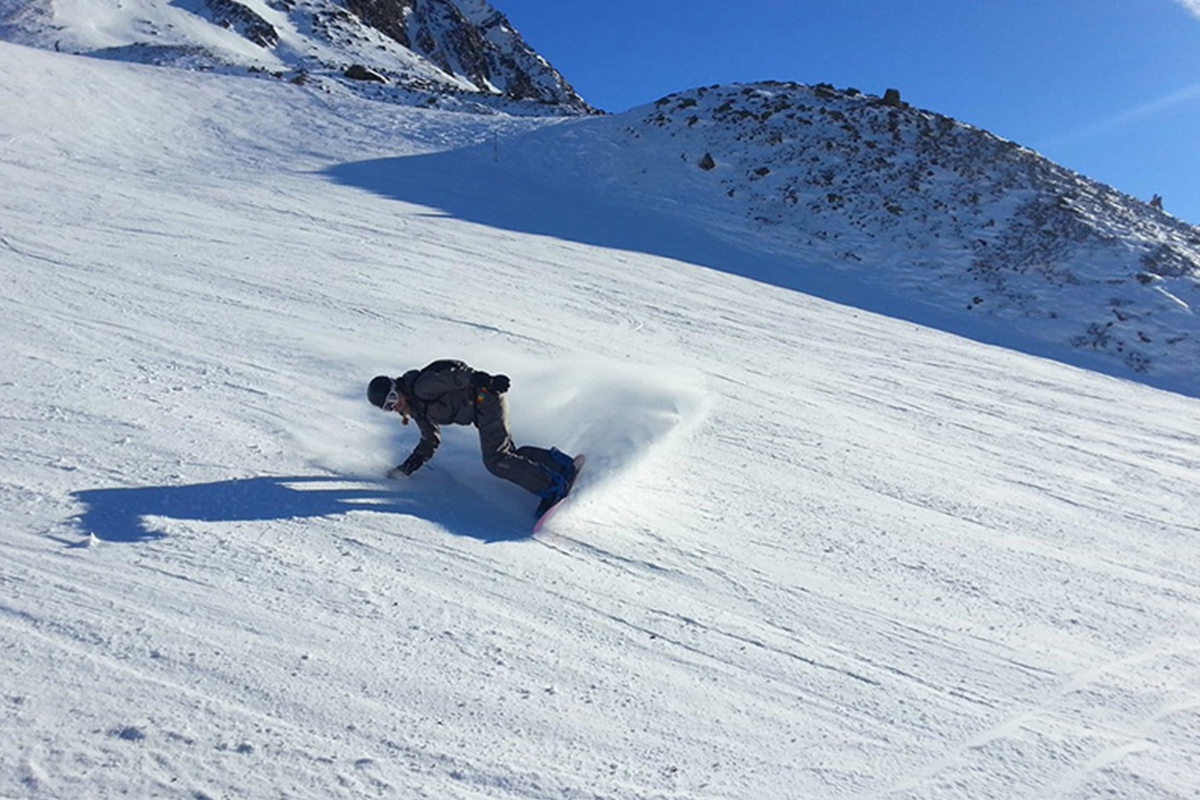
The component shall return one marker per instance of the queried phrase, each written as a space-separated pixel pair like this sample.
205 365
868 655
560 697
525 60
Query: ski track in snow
819 552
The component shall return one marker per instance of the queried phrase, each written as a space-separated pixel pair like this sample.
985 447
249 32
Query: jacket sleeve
431 437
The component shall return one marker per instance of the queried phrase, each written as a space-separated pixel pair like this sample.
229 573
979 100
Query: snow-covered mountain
817 552
454 53
867 200
860 198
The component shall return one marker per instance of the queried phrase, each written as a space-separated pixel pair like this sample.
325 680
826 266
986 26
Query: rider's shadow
126 514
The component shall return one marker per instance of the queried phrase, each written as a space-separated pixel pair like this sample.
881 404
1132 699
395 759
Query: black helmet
379 388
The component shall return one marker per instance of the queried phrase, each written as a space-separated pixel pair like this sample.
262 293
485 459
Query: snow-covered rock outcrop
433 49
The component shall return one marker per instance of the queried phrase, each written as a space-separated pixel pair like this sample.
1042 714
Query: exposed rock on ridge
233 15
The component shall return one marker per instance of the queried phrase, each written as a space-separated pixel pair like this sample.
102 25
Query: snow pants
531 468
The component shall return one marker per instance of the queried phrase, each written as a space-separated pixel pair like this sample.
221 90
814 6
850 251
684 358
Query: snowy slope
821 553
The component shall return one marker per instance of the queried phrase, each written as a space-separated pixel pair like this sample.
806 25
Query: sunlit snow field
817 552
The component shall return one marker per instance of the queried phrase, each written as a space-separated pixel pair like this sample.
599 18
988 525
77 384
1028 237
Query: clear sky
1109 88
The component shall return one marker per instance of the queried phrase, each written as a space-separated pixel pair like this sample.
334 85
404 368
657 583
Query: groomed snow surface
817 553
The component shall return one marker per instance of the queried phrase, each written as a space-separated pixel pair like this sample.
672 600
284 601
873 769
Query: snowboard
537 526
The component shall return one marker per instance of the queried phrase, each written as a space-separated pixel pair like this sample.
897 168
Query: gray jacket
442 393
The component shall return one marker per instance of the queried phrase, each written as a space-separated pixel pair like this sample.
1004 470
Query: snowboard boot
565 466
562 476
556 491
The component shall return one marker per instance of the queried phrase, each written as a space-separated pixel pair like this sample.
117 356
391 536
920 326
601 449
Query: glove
493 383
410 465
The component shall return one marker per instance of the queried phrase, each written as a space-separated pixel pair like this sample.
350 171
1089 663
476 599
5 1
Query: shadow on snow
121 514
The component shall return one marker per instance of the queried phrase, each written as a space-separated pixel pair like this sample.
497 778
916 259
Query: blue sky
1110 89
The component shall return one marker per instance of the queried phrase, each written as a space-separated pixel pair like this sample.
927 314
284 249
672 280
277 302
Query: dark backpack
409 379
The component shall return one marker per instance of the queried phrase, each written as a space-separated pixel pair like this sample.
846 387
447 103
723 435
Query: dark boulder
358 72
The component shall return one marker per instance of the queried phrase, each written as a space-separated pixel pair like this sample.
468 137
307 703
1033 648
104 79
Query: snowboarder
450 392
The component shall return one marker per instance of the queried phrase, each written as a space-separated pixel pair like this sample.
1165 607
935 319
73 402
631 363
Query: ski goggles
392 400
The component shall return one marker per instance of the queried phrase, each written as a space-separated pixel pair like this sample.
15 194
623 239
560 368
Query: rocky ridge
915 204
870 182
457 54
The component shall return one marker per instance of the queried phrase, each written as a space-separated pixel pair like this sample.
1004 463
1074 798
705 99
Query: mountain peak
461 52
